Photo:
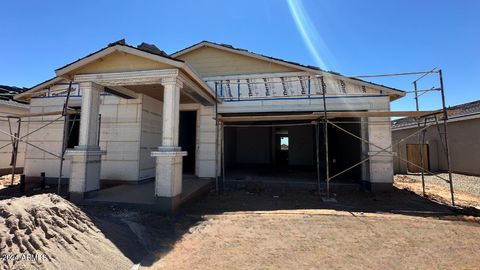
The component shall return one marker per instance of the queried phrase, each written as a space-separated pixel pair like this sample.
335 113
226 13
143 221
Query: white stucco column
168 175
364 135
86 157
381 163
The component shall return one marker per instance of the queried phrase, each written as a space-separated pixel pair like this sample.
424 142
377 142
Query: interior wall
253 146
301 149
344 149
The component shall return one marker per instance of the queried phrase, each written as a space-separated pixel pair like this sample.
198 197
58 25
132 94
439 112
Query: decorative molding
145 77
174 80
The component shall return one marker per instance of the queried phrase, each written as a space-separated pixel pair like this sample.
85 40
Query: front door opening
187 139
73 129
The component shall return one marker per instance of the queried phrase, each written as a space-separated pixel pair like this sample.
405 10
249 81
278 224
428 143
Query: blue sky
350 37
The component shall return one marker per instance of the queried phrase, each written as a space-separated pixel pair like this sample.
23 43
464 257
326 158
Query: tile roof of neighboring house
457 111
12 103
281 60
7 92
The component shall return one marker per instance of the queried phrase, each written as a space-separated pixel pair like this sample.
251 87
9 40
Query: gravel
466 183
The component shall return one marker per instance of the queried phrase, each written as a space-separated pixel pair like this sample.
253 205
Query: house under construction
128 115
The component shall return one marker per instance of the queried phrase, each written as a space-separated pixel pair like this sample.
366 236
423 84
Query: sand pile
47 232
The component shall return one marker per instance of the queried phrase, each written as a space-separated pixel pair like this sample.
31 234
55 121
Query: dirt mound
47 232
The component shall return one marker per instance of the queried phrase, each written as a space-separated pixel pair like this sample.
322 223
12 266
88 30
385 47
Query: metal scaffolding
16 137
324 116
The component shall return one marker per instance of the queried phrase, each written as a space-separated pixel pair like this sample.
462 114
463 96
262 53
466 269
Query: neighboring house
463 138
10 107
157 109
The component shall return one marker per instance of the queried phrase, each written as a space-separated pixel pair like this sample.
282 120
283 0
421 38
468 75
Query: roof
145 47
278 60
13 104
7 92
143 50
454 112
149 50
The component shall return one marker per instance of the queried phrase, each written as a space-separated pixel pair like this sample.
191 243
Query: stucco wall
464 145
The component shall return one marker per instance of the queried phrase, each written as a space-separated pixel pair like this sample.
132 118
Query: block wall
205 161
151 135
119 136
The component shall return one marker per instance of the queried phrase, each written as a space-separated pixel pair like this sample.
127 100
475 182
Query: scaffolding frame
16 138
323 116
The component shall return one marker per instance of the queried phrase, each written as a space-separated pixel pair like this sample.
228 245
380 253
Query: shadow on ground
255 197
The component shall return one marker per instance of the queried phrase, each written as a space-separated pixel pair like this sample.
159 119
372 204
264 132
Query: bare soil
254 227
323 239
284 229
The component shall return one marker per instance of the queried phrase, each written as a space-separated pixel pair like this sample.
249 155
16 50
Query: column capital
92 86
174 80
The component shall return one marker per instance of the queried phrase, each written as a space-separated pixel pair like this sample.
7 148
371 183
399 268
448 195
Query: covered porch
173 84
169 190
138 197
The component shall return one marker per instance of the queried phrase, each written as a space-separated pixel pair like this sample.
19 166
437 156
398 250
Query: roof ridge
229 46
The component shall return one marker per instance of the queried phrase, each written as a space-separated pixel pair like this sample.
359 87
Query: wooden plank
319 115
121 91
250 118
39 114
380 114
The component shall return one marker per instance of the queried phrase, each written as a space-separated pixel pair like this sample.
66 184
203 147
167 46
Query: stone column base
168 176
84 172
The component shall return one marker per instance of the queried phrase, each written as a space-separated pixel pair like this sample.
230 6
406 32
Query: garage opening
280 151
187 139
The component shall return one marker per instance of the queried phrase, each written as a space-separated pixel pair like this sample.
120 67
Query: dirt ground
322 239
466 188
256 227
278 229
